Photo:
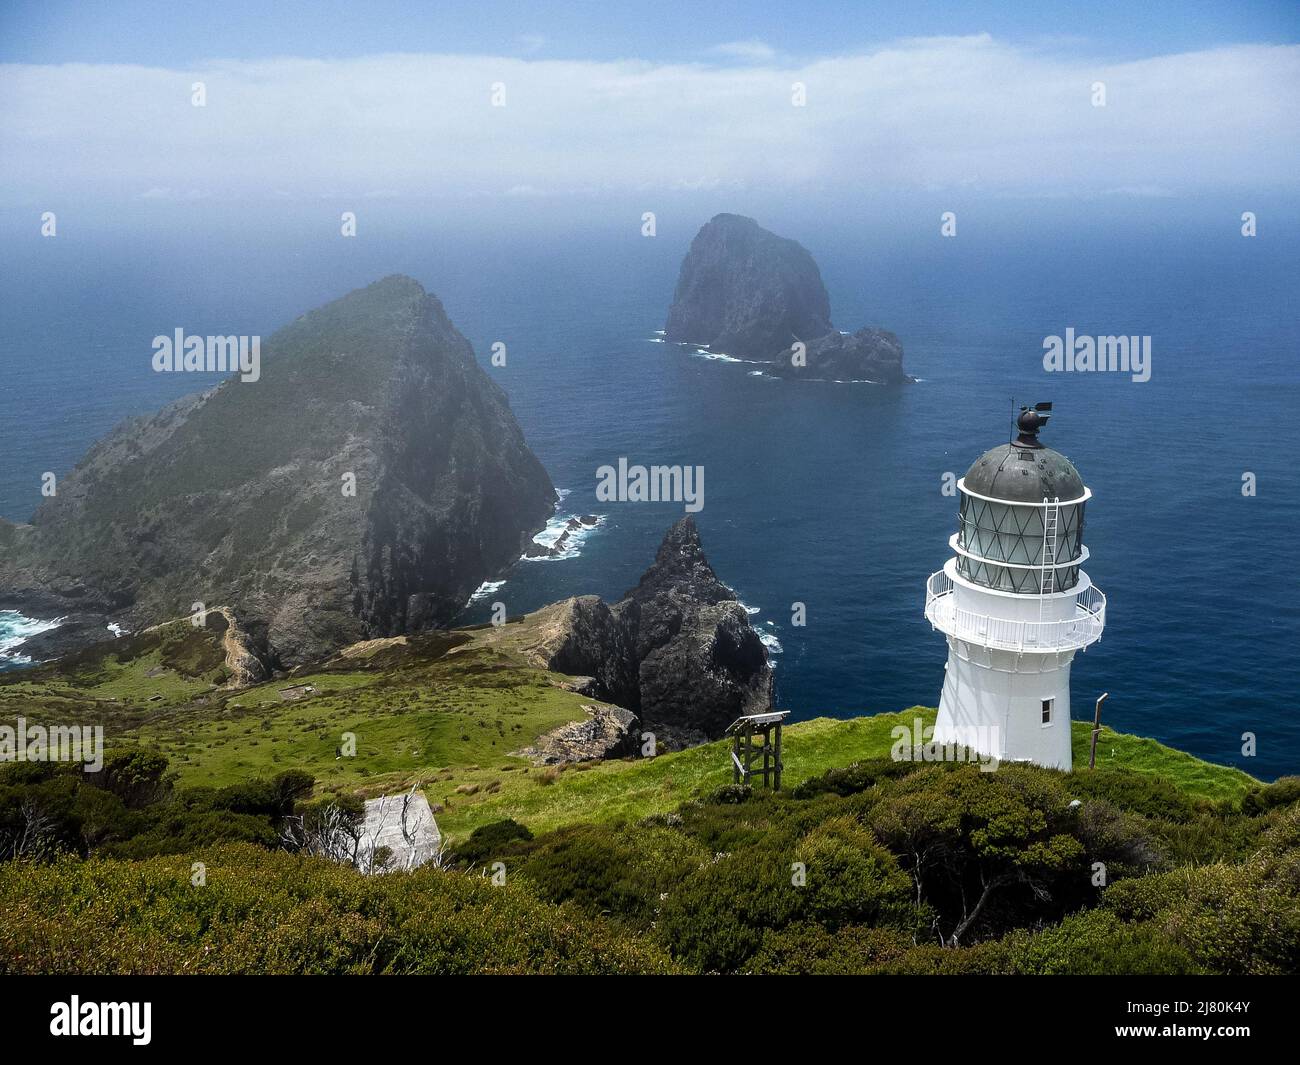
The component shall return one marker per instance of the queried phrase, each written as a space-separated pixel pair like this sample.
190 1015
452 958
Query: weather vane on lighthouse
1014 601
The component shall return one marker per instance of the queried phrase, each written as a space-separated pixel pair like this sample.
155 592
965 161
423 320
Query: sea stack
745 292
364 486
700 664
678 649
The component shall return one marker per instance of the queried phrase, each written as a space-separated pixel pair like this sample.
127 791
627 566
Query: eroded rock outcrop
700 664
606 732
678 649
867 355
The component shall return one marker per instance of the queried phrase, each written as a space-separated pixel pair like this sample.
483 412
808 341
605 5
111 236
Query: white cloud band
938 112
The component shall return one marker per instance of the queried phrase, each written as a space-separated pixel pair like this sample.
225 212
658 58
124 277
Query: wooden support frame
746 753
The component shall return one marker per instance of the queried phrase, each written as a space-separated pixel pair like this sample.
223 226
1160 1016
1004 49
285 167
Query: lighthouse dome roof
1022 474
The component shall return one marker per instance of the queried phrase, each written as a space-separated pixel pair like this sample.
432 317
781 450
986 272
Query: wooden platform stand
744 731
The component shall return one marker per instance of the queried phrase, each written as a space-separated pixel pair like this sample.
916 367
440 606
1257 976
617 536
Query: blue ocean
822 494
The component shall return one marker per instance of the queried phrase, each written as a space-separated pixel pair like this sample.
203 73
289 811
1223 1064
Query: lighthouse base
1017 703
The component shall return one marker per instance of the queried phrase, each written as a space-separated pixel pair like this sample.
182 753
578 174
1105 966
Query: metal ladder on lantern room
1047 576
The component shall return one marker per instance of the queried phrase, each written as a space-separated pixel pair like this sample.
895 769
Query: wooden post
735 758
778 757
1096 731
767 756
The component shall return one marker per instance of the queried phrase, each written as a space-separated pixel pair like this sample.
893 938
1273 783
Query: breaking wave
14 629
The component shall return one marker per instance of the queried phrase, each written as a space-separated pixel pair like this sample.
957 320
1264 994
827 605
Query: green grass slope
447 711
446 708
122 683
632 789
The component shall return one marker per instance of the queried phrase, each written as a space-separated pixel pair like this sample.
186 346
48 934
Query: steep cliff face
582 637
746 292
364 486
678 648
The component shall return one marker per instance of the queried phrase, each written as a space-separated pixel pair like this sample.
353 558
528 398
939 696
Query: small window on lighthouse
1047 711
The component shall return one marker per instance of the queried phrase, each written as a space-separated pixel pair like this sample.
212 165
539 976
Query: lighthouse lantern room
1014 602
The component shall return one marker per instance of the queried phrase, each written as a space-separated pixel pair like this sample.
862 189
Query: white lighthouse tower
1014 602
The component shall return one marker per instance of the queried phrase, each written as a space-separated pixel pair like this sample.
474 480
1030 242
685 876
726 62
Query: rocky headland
364 487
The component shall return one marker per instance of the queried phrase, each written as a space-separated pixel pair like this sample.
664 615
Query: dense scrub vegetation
131 809
880 867
259 911
890 867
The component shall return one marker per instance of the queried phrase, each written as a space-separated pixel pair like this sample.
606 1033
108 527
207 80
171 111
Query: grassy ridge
634 789
448 710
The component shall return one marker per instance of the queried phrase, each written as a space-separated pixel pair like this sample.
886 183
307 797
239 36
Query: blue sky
167 32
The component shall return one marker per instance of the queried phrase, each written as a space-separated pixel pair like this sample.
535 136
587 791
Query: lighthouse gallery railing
1070 633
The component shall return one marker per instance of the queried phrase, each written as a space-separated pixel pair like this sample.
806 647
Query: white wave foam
564 535
484 590
705 351
769 640
14 629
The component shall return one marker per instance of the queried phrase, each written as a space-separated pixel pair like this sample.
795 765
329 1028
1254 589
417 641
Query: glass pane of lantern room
1027 524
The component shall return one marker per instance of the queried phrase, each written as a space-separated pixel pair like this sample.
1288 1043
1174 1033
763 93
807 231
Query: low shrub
259 911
